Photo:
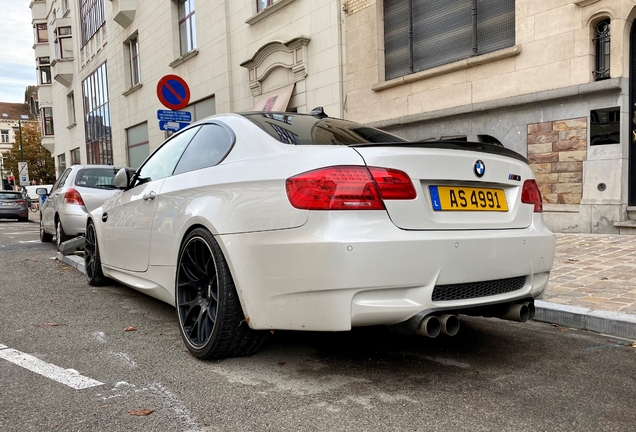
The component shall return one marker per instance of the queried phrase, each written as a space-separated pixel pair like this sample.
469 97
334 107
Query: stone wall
556 151
353 6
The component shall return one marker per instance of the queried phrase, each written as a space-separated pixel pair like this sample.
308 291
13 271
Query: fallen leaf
554 325
131 328
604 278
105 406
49 325
565 330
143 412
281 363
272 331
247 320
633 345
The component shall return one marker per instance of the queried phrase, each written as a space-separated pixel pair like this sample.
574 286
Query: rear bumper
342 270
14 212
73 219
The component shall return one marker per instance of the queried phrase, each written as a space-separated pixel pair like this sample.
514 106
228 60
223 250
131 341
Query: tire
60 235
209 314
44 236
92 261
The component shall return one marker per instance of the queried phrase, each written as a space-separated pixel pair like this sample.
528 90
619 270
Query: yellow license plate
467 199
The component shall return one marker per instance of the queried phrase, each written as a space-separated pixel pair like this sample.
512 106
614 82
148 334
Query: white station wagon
259 221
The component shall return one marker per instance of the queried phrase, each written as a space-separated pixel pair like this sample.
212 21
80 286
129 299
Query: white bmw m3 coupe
260 221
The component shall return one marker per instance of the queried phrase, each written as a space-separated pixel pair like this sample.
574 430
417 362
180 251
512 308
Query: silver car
79 190
13 206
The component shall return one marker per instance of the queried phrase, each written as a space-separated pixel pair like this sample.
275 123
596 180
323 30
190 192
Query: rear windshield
96 178
10 196
303 129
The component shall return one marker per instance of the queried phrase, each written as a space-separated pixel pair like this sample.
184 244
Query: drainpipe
475 27
411 35
341 56
230 81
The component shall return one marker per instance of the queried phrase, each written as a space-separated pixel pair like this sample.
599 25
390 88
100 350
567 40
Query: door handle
150 196
104 217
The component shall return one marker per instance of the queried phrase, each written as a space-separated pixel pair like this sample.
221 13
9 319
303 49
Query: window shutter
396 38
495 25
442 31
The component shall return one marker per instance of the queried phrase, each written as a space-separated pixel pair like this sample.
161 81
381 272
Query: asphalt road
494 375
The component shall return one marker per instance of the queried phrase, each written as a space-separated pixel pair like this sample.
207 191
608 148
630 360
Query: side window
163 162
60 182
207 149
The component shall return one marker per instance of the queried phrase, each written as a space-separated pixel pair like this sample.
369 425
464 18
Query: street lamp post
20 128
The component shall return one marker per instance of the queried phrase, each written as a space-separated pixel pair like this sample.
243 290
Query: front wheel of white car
209 312
92 261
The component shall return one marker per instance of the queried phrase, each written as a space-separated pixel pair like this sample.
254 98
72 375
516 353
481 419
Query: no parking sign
173 92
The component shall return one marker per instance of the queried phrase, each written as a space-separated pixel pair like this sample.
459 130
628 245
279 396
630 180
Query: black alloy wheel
92 261
209 312
44 236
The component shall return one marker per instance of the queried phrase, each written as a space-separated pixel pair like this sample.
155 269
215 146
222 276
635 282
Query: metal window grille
423 34
99 146
602 41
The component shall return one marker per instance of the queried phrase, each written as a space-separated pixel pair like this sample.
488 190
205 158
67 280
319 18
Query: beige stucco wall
553 50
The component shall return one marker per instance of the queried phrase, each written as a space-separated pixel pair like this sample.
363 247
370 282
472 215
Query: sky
17 60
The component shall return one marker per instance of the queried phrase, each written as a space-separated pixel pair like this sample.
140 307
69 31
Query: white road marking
68 377
29 241
23 232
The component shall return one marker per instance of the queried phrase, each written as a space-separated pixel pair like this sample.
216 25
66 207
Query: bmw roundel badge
480 168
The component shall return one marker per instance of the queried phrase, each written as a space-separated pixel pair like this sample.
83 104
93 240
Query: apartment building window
76 158
132 64
187 26
202 109
47 121
61 164
93 17
97 126
44 70
42 33
602 43
4 133
138 144
262 4
70 102
63 43
423 34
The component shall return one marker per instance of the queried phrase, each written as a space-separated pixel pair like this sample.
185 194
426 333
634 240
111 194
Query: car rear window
10 195
96 178
303 129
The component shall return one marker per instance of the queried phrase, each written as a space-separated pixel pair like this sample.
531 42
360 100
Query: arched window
602 42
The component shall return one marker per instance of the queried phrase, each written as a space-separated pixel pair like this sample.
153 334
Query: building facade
550 79
99 63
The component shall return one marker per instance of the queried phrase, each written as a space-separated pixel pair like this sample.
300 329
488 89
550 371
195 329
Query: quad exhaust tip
434 325
520 312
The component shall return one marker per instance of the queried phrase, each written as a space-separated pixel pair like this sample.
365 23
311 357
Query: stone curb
609 323
72 260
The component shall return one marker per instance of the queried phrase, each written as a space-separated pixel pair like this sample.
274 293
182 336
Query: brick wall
556 151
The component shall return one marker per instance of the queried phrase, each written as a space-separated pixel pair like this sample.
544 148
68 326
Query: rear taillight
72 196
348 188
531 195
21 201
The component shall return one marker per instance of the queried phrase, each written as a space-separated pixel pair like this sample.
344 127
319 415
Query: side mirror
122 179
41 191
